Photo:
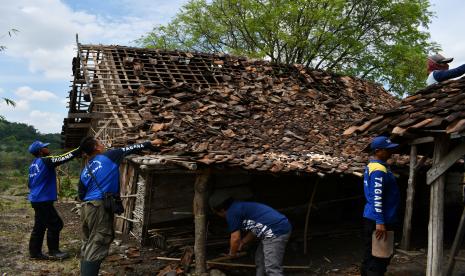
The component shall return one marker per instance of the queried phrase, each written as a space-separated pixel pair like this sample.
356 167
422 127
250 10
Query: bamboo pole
213 262
307 216
436 212
407 229
200 206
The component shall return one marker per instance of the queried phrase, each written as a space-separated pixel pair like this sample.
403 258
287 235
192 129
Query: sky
35 69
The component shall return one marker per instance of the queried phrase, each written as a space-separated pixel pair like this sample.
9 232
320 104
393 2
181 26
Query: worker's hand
156 142
381 232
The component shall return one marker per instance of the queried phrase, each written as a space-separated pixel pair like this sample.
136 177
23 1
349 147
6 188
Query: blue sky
35 70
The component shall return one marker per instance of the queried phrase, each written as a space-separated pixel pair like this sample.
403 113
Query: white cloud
44 121
49 122
47 31
21 105
27 93
45 46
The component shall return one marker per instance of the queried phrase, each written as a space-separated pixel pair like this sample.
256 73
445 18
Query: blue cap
36 146
382 142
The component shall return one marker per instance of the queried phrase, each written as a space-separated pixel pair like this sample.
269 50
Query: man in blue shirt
438 69
43 192
100 176
382 202
258 221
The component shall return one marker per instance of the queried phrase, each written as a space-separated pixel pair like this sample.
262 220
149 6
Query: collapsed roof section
220 109
438 108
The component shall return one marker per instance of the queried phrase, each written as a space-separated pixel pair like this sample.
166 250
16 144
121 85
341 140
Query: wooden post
309 209
405 243
455 246
436 212
200 206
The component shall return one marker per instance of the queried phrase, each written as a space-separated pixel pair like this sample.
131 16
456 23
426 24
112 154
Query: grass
15 182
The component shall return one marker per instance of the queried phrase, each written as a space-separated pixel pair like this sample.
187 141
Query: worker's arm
443 75
234 243
247 239
117 155
57 160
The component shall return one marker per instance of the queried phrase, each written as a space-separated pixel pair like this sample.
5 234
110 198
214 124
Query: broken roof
438 108
220 109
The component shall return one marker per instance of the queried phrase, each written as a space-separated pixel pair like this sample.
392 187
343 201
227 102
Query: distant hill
16 137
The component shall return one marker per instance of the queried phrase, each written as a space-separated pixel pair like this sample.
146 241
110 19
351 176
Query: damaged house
258 130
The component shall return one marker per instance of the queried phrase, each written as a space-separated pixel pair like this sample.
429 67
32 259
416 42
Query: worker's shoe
39 256
58 255
90 268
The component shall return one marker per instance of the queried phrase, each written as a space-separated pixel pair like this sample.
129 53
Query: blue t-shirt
105 168
381 193
262 220
42 180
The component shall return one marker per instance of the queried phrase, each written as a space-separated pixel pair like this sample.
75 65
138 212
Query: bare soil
334 254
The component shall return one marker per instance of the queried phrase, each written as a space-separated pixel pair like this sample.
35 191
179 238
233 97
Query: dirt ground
333 254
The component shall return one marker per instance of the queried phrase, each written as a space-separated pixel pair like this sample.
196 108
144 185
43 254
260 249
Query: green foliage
68 187
9 102
379 40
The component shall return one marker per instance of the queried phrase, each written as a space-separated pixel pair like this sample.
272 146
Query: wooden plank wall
128 192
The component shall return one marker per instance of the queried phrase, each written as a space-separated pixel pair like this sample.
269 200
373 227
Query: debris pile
221 109
264 120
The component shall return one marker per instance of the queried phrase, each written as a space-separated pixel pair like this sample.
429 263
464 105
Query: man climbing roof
438 69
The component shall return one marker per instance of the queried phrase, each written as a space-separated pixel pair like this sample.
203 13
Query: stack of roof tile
263 116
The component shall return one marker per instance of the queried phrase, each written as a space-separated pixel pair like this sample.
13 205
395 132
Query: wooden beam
213 262
78 125
436 212
103 92
86 115
406 231
101 129
445 163
200 208
422 140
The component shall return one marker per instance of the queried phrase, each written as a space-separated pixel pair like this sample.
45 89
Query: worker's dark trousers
372 266
47 219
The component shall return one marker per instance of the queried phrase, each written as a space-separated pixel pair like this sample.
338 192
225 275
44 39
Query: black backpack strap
95 179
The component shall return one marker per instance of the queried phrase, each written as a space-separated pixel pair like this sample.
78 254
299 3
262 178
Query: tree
379 40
